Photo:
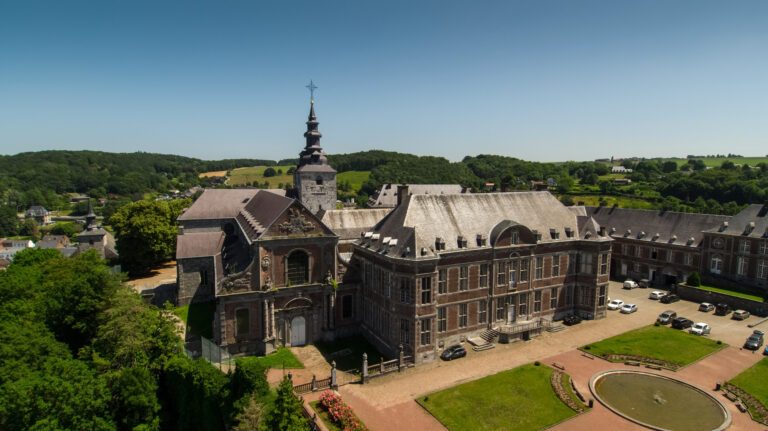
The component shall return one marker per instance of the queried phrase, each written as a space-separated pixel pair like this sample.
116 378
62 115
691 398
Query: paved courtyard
388 402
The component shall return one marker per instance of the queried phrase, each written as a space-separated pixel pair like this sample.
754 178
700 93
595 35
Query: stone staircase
489 335
555 327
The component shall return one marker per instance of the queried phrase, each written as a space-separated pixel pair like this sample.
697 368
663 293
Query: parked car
670 298
644 283
722 309
682 323
700 328
628 308
666 317
630 284
656 294
706 307
755 341
453 352
615 304
572 320
765 351
740 315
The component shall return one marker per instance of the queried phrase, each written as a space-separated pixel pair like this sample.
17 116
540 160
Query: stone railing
757 410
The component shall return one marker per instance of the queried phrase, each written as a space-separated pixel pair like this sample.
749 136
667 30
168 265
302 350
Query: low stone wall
694 294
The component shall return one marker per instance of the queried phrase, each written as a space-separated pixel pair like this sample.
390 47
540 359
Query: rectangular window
744 246
601 296
539 274
426 290
670 255
742 264
763 247
442 321
586 263
587 296
537 301
569 295
500 309
484 274
637 251
604 263
513 238
442 281
482 311
463 315
523 270
654 253
463 277
405 332
426 332
523 304
406 291
636 266
556 265
571 262
242 322
624 249
513 273
553 298
762 270
687 259
204 277
501 273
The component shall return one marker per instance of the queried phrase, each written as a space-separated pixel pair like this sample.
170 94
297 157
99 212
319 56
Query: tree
694 279
269 172
9 222
146 233
251 417
34 256
134 399
31 229
590 179
669 166
287 413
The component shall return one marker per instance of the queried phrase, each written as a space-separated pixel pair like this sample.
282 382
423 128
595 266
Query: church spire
90 218
313 152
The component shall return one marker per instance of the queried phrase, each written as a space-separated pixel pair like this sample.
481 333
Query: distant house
539 186
76 198
387 197
96 237
620 170
9 247
622 181
39 214
53 241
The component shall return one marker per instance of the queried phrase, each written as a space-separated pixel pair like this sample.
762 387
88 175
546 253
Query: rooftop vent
749 228
641 235
672 239
723 226
386 240
368 234
656 236
628 233
375 237
393 242
424 251
613 230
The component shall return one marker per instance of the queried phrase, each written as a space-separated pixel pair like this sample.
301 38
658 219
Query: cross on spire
312 87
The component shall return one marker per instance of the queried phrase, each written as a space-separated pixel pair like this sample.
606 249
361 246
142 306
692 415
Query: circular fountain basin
659 402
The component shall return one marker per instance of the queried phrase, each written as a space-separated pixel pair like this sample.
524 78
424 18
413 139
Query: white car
656 294
615 304
630 284
700 328
628 308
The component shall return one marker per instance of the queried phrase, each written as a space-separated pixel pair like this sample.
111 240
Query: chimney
402 192
602 230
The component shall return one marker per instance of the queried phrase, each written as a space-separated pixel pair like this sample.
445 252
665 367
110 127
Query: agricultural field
213 174
247 176
717 161
355 179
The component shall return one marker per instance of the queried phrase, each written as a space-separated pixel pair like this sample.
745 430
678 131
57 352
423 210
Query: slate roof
349 224
216 204
751 222
387 196
261 211
199 244
420 219
672 227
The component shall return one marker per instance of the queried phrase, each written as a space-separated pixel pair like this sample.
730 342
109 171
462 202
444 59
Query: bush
249 379
269 172
694 279
537 363
193 394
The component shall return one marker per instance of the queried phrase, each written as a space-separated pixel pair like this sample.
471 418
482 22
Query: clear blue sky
538 80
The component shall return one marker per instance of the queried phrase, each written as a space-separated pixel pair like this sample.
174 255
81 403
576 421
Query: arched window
298 268
716 265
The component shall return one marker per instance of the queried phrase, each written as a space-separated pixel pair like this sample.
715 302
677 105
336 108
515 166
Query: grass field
198 317
622 201
519 399
753 381
354 178
280 358
242 176
717 161
658 342
731 293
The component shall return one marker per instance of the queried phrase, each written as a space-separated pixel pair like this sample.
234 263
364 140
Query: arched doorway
298 331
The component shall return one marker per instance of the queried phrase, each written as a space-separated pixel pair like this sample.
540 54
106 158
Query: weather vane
312 87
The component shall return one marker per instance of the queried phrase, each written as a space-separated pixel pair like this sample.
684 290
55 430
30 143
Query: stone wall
699 295
190 284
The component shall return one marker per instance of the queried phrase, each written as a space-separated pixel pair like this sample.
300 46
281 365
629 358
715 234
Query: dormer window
462 242
439 244
554 234
482 241
723 226
568 232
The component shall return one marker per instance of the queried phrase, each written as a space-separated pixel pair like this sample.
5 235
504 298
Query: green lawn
732 293
348 352
623 202
753 381
354 178
198 317
519 399
657 342
241 176
280 358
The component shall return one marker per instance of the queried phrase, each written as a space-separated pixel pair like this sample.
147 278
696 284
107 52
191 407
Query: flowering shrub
340 412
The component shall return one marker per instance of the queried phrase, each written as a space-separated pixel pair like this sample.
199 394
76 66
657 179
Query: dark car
755 341
668 299
722 309
682 323
571 320
453 352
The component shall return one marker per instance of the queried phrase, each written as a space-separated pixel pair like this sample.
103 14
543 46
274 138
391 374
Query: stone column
400 358
266 321
364 371
272 320
334 382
